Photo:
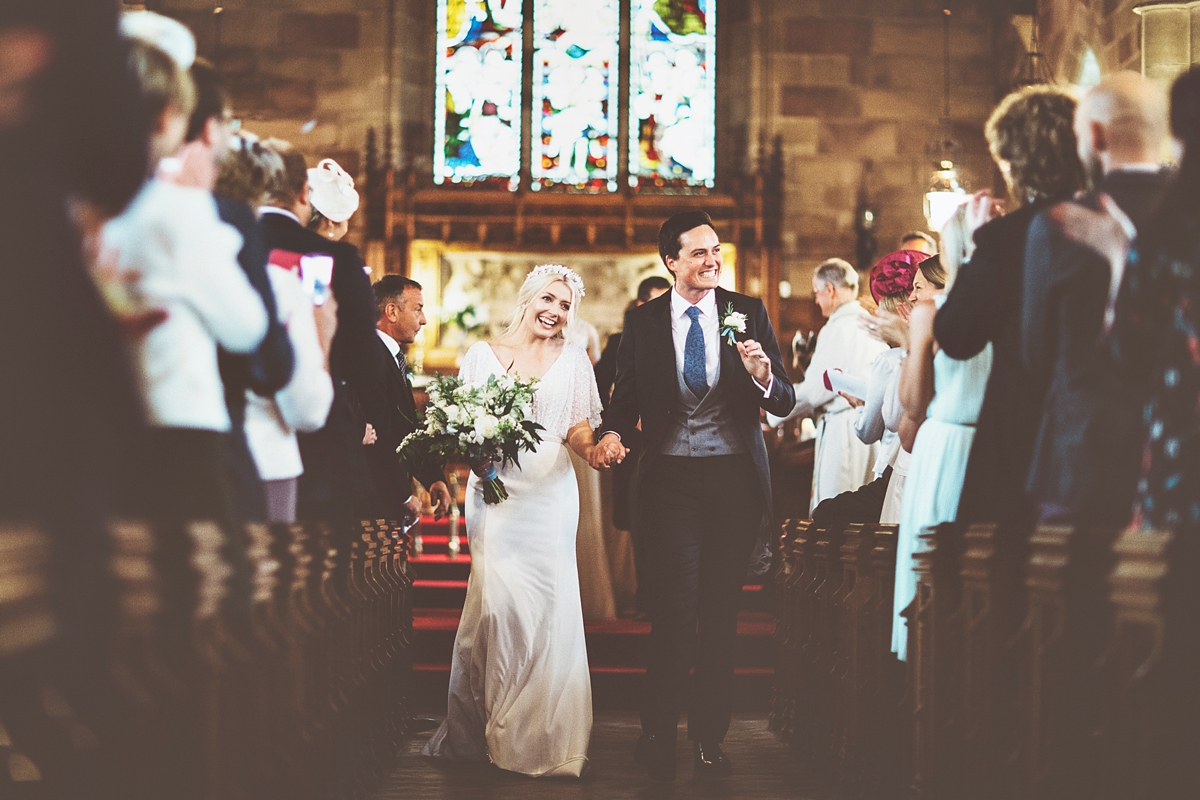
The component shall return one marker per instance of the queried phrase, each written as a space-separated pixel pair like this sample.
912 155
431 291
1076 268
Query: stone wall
1108 27
314 72
841 82
856 86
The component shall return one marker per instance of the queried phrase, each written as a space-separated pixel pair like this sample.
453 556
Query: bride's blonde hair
535 283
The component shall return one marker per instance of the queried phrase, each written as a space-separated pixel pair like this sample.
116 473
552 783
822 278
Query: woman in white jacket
302 405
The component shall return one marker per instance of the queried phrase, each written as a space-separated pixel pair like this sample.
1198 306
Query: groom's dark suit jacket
647 384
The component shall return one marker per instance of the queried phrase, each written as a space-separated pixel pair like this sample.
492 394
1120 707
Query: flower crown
568 277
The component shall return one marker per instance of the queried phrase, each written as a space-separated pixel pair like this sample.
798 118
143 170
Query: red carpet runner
616 649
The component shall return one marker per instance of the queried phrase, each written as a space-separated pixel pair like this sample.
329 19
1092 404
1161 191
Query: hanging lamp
945 193
1035 69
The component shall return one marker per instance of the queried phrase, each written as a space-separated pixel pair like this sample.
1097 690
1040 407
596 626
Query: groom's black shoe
711 761
657 755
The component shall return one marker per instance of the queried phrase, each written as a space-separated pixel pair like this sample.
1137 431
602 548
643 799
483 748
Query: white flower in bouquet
487 425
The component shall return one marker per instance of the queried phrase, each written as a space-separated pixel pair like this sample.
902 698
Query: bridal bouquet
483 424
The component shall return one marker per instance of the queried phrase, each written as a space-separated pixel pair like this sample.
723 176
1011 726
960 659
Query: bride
520 691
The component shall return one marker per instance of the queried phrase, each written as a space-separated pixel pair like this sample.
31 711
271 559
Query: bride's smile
547 314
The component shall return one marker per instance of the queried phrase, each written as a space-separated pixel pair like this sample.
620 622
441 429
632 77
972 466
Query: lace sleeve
585 397
472 368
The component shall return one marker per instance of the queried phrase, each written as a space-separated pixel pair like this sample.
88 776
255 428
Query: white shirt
681 323
283 212
185 259
302 405
710 326
391 344
871 423
840 344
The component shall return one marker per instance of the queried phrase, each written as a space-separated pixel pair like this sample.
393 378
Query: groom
703 484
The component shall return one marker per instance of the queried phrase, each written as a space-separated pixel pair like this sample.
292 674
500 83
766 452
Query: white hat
332 191
171 36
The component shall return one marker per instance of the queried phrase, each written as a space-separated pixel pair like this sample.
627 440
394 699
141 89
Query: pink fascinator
893 274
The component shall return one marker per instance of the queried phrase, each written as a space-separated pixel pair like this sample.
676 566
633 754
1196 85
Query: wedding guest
63 451
1031 138
891 283
269 368
1087 454
336 483
173 253
920 241
1155 331
622 474
333 199
389 406
273 420
930 281
73 135
1155 342
606 367
591 540
842 463
940 399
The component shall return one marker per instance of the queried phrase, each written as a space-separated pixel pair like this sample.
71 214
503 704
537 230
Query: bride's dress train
520 691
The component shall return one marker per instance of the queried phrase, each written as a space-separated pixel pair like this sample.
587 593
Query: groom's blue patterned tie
694 372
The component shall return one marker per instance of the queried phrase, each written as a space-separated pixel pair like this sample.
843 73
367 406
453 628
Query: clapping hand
607 452
891 329
755 361
982 209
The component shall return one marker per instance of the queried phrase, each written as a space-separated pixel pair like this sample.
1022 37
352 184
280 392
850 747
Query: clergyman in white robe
842 463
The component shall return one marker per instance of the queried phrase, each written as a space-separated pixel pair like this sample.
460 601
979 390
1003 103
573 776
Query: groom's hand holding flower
755 361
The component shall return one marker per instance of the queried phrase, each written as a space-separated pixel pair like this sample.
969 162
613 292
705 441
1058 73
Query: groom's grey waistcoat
702 427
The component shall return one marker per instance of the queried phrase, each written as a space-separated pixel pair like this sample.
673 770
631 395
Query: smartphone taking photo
316 273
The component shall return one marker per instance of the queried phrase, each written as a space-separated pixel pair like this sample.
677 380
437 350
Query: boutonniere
733 322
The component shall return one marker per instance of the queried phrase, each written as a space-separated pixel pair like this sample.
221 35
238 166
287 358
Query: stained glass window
478 119
672 92
575 88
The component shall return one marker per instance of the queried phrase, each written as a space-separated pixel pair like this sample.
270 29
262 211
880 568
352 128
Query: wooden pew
934 659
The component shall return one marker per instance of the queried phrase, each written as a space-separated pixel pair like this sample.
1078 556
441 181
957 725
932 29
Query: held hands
440 495
755 360
607 452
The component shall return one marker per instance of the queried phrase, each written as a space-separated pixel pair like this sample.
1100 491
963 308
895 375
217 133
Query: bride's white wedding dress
520 691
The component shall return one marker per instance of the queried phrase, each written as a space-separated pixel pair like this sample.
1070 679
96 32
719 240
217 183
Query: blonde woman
520 692
940 399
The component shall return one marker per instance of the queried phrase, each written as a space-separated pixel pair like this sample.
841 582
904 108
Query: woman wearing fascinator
333 199
520 692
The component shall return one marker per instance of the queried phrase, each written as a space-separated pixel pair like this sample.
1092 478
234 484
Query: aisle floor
764 768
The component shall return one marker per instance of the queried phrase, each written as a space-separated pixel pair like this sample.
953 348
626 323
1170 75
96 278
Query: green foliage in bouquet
484 424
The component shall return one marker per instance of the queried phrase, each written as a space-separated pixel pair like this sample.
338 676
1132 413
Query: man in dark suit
336 484
703 482
622 479
1087 455
388 401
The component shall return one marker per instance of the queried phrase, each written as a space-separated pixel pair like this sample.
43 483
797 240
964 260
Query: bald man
1086 459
